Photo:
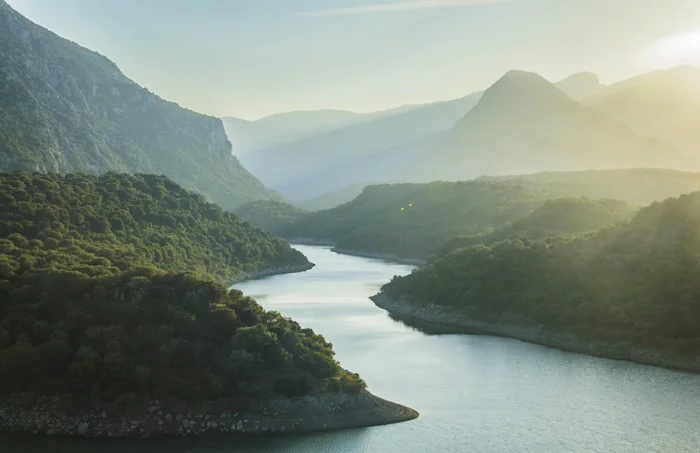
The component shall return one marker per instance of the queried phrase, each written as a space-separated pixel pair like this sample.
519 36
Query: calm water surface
475 393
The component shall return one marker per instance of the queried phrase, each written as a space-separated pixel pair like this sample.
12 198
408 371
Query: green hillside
106 293
636 284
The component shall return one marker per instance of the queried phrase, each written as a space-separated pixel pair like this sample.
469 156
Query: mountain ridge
66 108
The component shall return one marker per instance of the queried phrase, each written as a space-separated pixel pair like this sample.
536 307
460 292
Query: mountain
627 292
360 153
637 186
581 85
248 136
412 221
64 108
335 198
662 104
524 124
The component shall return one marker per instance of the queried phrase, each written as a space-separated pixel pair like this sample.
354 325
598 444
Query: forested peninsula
114 320
628 291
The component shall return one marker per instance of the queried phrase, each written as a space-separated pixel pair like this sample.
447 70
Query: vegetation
637 186
93 300
121 221
637 283
554 217
272 216
414 220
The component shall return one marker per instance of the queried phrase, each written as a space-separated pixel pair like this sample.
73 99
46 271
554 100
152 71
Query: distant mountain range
521 124
64 108
524 124
663 104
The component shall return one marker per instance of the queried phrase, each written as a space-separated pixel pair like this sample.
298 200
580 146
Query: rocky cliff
64 108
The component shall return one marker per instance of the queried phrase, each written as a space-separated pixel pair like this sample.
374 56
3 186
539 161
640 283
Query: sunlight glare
678 49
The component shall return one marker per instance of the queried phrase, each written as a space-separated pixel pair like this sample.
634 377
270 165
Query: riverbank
390 257
292 269
380 256
312 413
452 321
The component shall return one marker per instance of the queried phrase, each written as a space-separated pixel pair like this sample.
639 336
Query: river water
476 394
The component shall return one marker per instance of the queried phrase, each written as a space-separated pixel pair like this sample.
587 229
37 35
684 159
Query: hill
413 220
64 108
581 85
272 216
332 199
637 186
561 216
663 104
372 151
90 308
524 124
624 292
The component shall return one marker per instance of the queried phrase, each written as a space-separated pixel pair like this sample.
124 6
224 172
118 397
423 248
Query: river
476 394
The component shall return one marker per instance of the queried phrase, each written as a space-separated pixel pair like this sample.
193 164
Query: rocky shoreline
312 413
452 321
364 254
291 269
380 256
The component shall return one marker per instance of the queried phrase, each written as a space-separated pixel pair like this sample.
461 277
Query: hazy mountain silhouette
247 136
662 104
581 85
64 108
523 124
332 160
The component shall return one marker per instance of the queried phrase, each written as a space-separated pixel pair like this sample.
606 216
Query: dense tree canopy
552 218
638 282
414 220
117 220
94 301
273 216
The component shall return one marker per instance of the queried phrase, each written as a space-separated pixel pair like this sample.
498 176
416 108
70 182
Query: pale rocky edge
365 254
290 269
311 413
437 316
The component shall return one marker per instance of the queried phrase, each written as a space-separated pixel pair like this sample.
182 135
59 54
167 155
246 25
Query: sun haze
249 59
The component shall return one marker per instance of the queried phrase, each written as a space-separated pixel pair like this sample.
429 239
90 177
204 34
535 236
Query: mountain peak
580 85
521 90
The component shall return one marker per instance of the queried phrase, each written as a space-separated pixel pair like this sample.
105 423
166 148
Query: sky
251 58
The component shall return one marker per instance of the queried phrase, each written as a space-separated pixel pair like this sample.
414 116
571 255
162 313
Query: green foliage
272 216
552 218
638 282
96 224
93 300
375 221
637 186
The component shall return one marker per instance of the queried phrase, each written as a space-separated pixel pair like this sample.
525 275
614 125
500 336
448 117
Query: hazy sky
250 58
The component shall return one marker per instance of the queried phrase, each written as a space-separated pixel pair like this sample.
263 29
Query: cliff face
64 108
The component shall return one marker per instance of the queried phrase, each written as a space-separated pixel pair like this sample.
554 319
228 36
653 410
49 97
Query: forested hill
554 217
64 108
637 186
634 285
273 216
87 307
134 220
413 220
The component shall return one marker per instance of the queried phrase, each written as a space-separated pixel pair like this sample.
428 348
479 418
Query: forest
636 283
108 290
414 220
